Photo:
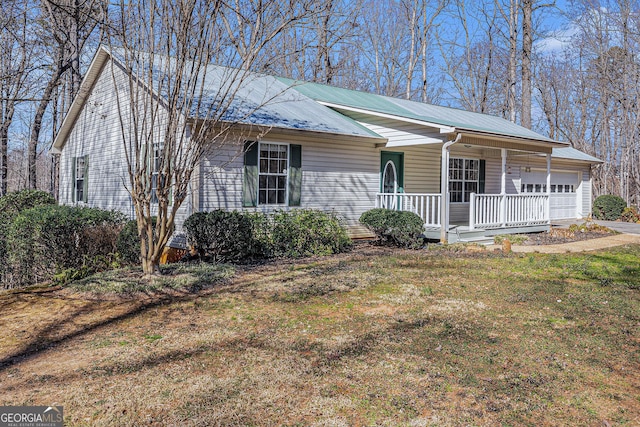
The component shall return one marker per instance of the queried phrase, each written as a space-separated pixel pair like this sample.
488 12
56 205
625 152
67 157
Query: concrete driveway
622 227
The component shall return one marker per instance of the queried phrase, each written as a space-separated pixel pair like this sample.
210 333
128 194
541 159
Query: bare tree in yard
381 44
65 27
15 66
475 60
528 33
173 104
421 20
512 18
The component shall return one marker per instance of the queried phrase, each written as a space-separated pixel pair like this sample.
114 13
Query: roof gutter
444 188
483 134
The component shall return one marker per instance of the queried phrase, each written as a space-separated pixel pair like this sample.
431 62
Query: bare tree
15 66
174 105
68 24
475 61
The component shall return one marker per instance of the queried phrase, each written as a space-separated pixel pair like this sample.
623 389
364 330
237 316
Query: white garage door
564 186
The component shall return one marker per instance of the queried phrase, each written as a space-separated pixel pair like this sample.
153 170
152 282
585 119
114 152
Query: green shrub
48 239
236 236
11 205
608 207
16 202
307 232
128 243
221 235
397 228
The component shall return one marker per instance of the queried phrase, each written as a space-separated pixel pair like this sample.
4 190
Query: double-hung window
80 168
273 174
464 178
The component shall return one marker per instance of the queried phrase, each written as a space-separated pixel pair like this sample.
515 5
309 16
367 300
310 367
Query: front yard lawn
372 337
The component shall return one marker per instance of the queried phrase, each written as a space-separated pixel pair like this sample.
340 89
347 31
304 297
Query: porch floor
461 233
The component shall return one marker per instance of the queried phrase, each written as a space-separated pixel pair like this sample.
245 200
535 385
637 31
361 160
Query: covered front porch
478 214
489 214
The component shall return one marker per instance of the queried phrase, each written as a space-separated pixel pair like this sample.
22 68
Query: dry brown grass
374 337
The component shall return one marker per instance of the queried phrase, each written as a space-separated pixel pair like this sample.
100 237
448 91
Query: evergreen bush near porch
608 207
398 228
236 236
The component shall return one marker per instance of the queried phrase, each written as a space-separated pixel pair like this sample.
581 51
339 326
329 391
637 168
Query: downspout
444 188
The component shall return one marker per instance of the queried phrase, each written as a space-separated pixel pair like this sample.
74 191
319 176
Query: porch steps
483 240
462 234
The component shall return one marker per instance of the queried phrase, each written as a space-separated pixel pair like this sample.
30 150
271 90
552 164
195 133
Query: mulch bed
558 236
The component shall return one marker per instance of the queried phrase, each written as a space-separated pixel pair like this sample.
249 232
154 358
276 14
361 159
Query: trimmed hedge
397 228
11 205
14 203
235 236
307 232
49 239
221 235
608 207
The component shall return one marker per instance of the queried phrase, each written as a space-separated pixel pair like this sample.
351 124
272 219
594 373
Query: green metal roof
570 153
402 108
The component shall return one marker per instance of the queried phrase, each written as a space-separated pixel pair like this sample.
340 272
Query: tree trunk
4 148
527 47
513 60
32 148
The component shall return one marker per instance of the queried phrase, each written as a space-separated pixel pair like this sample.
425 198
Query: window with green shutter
272 174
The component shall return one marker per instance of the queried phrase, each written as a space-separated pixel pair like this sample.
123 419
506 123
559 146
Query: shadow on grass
164 291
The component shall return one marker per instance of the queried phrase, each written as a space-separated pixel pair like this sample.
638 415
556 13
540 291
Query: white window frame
269 173
462 180
79 178
535 188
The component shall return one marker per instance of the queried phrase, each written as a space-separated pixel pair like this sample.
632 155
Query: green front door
391 179
391 172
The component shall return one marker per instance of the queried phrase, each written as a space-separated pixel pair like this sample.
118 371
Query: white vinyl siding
97 135
337 175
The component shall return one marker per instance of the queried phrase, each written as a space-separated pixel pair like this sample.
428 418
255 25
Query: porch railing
427 206
502 210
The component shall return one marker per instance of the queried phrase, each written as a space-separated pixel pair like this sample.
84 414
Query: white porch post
444 188
548 204
503 188
472 211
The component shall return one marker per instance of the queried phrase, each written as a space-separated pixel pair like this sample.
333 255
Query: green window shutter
73 179
481 176
250 178
85 181
295 174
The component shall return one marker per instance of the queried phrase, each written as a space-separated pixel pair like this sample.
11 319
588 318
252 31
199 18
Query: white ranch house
467 175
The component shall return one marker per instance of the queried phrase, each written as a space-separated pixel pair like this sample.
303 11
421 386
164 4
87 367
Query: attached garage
565 190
